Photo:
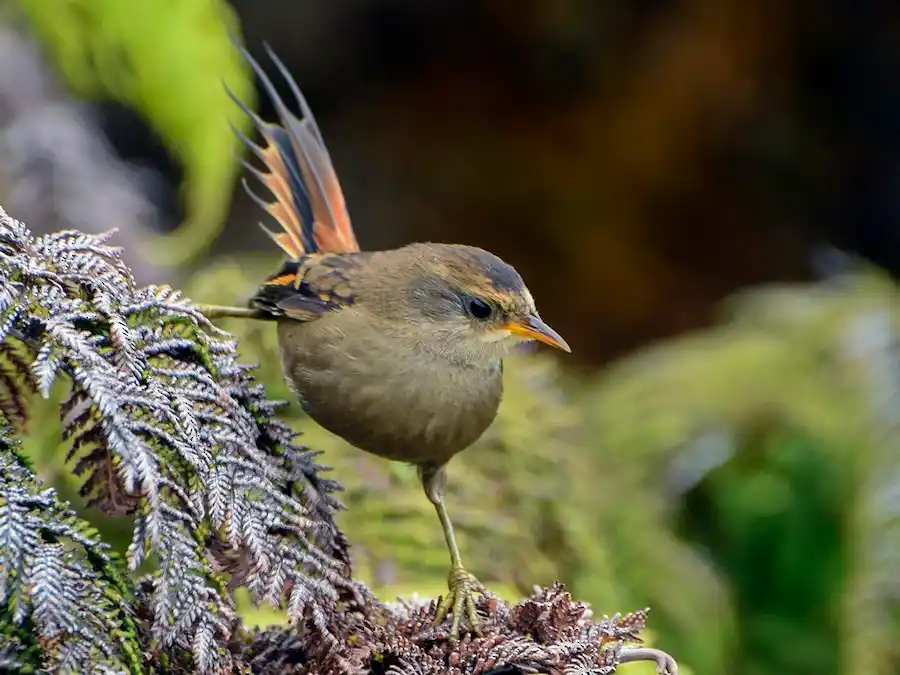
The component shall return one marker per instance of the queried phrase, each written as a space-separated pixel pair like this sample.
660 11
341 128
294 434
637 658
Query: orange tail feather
308 201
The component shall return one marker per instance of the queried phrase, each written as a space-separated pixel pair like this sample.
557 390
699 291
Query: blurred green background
703 197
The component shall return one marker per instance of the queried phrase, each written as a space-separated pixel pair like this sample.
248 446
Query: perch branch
665 664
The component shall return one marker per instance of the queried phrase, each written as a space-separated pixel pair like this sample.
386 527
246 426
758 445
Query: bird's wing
308 200
306 289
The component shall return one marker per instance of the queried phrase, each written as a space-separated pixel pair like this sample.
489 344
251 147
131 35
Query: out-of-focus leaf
791 407
167 59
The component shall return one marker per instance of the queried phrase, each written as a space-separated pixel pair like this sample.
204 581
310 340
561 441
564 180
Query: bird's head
467 304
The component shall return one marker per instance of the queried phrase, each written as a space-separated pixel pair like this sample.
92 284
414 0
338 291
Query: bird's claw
462 589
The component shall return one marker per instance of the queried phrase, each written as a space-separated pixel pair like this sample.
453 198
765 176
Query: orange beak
532 327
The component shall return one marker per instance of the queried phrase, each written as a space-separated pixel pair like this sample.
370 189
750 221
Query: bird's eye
479 308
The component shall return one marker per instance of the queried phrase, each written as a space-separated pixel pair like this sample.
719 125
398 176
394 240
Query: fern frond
62 596
546 632
15 656
166 425
17 384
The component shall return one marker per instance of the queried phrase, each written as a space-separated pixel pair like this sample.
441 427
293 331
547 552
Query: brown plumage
398 352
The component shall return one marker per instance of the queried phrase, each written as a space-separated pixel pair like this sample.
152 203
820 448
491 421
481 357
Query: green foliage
770 442
167 59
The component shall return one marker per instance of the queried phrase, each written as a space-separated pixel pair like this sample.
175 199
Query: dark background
636 160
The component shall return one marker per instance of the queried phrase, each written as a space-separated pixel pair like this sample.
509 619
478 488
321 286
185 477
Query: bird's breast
390 401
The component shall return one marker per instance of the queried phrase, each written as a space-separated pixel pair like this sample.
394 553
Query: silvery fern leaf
166 426
62 594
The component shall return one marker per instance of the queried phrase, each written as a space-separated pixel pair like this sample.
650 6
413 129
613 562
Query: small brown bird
400 352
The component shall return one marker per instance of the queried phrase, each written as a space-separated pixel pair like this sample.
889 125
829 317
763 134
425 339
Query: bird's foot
461 598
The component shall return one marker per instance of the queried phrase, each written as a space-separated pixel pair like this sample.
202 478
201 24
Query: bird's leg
462 585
